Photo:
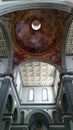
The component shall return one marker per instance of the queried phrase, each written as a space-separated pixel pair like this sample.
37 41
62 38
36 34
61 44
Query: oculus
36 25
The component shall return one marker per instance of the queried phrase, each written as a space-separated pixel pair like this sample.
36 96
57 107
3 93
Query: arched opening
39 120
40 74
65 106
15 115
22 117
57 116
67 45
9 104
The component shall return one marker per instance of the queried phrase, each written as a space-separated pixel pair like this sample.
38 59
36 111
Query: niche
15 115
9 104
64 102
22 117
38 121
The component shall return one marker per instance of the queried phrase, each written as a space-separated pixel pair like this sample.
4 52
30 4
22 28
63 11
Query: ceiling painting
36 33
32 39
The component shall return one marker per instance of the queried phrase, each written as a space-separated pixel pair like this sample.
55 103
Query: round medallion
36 31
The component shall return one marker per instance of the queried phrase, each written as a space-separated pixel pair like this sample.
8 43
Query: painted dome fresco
36 33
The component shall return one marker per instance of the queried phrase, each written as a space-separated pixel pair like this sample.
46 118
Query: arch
15 115
39 119
57 117
9 104
63 55
64 102
54 115
22 117
21 70
38 60
15 5
39 111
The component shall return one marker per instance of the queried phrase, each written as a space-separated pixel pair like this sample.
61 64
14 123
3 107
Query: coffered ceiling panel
37 74
3 40
69 41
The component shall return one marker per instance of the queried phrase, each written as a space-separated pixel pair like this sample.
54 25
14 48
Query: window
18 82
31 95
44 94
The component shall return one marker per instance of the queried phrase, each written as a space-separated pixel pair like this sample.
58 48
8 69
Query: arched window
31 95
22 117
9 104
44 94
15 115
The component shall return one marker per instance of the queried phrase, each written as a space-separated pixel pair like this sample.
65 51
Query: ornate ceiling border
38 60
8 45
6 7
66 29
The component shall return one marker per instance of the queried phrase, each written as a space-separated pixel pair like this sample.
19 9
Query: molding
6 7
63 47
47 106
39 60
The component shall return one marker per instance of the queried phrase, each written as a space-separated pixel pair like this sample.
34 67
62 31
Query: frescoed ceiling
36 33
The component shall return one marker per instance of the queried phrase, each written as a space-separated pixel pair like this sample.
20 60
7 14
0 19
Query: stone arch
22 117
15 115
57 116
65 106
15 6
9 104
39 119
44 113
39 60
64 39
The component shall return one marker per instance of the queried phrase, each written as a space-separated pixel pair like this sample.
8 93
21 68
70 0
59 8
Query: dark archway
9 104
65 106
15 115
39 119
57 116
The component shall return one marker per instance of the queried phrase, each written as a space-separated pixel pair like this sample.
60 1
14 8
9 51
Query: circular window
36 25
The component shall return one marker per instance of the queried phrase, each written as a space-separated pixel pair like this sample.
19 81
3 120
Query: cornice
6 7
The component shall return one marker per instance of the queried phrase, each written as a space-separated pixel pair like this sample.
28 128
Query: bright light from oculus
36 25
